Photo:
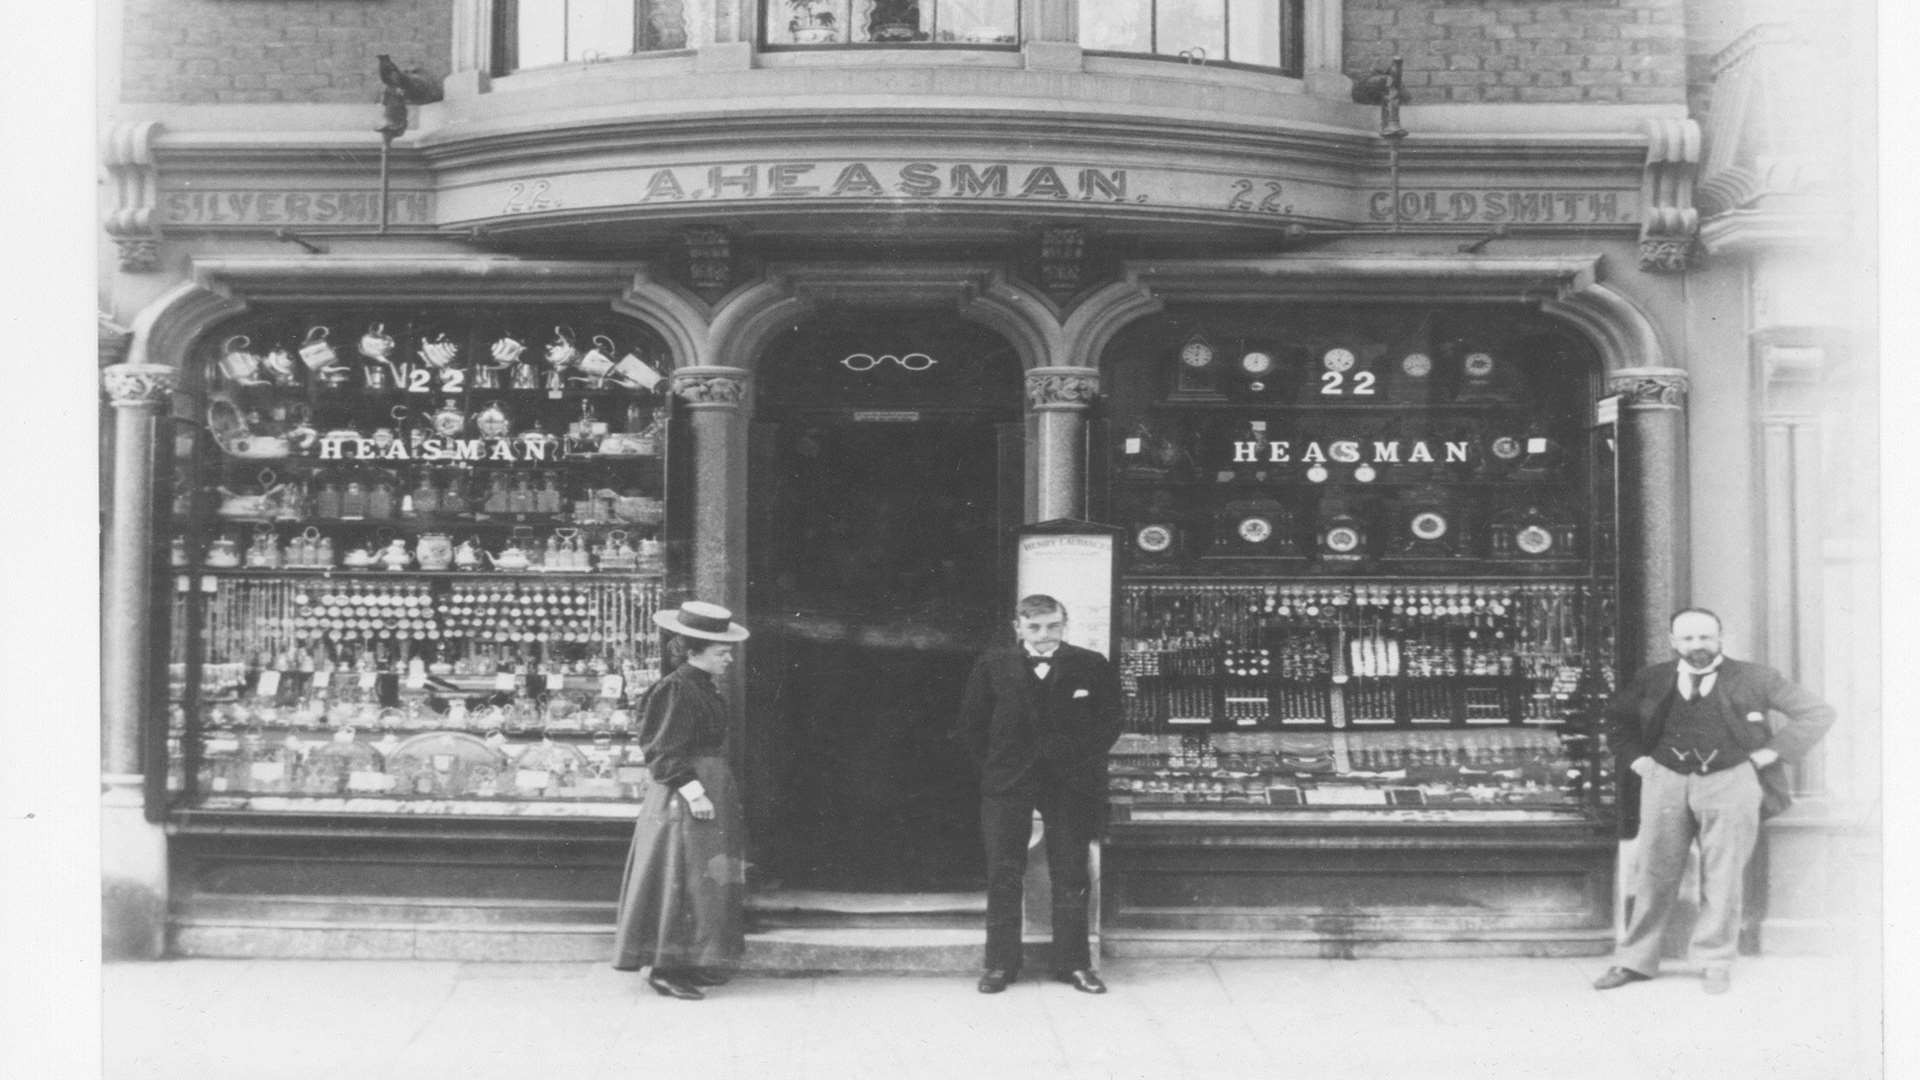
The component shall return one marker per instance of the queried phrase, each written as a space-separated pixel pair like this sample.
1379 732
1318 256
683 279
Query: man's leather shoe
706 977
671 986
1617 977
1716 980
996 980
1083 980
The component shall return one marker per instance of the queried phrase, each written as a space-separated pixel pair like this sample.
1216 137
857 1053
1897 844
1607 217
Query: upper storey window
816 23
1252 33
537 33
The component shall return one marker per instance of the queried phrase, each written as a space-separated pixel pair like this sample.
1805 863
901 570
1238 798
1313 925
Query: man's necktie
1039 665
1694 679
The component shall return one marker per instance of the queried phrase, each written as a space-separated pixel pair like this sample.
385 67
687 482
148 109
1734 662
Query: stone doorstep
1401 943
389 910
793 951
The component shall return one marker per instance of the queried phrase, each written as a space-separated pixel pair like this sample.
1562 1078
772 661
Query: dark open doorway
876 579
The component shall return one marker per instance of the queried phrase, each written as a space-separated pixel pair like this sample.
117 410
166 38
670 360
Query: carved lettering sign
1147 186
232 209
1514 207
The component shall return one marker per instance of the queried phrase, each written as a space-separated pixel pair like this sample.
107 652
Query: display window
415 556
1370 561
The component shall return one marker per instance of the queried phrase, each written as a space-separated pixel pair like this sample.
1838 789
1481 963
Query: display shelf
293 670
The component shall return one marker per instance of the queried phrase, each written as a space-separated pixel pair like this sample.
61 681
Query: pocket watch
1416 365
1428 525
1338 359
1255 529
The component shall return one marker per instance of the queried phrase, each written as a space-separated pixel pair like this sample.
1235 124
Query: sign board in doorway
1075 562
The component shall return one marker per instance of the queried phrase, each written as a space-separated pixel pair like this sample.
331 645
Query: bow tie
1035 661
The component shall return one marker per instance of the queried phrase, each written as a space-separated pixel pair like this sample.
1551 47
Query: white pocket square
1756 718
1080 693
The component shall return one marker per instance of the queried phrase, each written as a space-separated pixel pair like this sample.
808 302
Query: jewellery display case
1367 624
415 557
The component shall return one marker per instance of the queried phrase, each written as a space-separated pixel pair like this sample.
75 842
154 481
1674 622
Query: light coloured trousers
1722 810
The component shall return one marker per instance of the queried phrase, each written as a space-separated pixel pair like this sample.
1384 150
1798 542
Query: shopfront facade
807 317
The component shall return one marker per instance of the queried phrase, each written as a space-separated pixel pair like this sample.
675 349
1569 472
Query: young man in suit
1039 719
1694 733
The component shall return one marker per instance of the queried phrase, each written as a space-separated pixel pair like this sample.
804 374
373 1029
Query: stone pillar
1051 37
714 397
1058 399
1653 506
133 852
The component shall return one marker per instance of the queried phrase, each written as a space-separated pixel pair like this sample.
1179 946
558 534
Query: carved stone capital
1670 223
711 388
1666 254
1063 388
1649 388
709 259
1063 253
128 155
137 386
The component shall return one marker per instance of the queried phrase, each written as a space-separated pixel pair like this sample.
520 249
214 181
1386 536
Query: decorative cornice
1062 388
128 155
1669 222
1649 387
711 388
134 386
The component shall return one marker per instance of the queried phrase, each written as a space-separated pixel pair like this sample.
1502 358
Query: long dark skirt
680 904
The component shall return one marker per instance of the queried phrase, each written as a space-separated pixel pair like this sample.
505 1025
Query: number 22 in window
1334 382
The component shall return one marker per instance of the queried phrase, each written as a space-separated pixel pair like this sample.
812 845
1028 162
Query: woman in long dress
680 904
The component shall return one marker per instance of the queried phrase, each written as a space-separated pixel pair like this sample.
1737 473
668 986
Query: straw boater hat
700 620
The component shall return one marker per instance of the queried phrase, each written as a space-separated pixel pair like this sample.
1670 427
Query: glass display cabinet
415 557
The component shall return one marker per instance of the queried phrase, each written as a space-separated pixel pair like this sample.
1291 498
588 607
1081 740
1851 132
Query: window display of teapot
395 555
468 556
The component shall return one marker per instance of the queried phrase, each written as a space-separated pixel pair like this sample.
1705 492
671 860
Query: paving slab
1438 1019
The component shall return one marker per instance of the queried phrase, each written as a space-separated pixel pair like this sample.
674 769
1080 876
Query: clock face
1534 540
1196 354
1255 530
1154 538
1419 365
1479 365
1364 474
1429 525
1317 474
1256 363
1342 539
1338 359
1506 448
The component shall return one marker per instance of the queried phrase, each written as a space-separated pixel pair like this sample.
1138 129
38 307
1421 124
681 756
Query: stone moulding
133 224
1670 225
1062 388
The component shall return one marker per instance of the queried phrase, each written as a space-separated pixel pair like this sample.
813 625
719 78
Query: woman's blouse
682 717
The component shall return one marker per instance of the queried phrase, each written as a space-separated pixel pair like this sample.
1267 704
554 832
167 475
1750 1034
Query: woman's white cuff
692 790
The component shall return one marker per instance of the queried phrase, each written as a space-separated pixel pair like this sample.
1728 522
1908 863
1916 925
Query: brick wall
1631 51
248 51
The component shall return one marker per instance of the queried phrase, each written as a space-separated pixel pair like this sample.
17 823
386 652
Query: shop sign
1533 206
229 209
1351 451
335 448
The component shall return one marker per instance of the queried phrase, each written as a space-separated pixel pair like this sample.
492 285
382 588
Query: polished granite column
715 398
133 854
1653 506
1058 399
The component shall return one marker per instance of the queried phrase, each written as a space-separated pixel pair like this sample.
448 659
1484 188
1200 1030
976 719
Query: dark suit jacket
1011 721
1636 718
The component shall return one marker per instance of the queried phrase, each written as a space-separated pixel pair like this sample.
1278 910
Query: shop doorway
877 580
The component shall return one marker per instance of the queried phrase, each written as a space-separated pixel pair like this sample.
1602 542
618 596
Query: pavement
1789 1018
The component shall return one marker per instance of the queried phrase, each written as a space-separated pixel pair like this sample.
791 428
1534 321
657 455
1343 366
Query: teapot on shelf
439 353
280 366
321 359
561 353
506 354
238 363
395 555
434 550
223 552
468 556
258 505
380 372
359 558
512 557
